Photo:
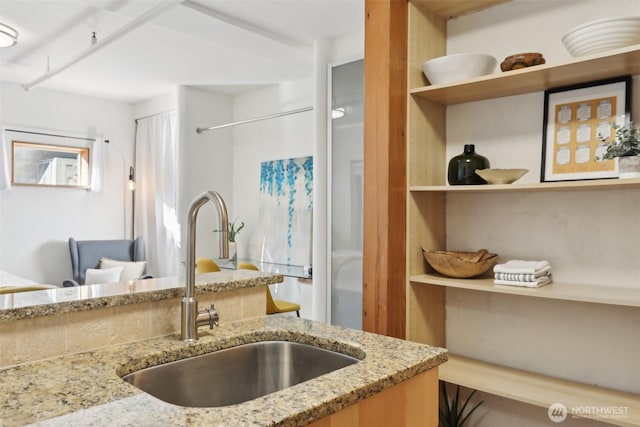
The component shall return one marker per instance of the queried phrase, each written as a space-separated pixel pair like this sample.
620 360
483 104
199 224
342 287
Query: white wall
589 237
206 162
278 138
347 48
157 105
36 223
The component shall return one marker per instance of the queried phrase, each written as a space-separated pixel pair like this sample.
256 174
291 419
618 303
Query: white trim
320 276
329 125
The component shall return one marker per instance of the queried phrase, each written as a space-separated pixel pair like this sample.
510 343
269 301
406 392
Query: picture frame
577 120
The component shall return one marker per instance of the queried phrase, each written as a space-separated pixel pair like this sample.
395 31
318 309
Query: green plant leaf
464 419
626 142
233 231
450 413
444 413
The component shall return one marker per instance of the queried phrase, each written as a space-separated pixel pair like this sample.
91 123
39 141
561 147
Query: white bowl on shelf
458 67
602 35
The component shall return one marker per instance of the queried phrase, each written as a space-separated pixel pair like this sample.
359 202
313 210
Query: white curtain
97 166
5 179
156 192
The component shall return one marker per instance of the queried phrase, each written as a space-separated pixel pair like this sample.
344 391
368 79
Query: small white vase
233 251
629 167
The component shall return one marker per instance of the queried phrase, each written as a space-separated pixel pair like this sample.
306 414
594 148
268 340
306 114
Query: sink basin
237 374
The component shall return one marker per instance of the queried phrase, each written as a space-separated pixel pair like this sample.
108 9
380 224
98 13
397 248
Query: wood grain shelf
590 185
615 63
540 390
624 296
452 8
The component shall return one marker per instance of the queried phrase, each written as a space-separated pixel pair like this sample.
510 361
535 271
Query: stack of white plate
603 34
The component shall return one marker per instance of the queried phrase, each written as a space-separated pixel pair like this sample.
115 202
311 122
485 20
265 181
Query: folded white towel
522 267
523 277
540 281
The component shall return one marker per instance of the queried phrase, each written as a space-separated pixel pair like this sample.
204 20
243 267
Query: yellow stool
206 265
273 306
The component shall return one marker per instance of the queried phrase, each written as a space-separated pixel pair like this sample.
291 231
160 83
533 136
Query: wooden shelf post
385 106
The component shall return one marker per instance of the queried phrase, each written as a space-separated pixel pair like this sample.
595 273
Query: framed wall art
286 211
577 120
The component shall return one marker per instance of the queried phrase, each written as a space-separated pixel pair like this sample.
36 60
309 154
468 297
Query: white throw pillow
109 275
132 270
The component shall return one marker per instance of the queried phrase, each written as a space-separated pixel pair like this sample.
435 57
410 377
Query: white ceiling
228 45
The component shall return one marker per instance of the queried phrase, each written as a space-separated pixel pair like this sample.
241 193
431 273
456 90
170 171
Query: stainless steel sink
237 374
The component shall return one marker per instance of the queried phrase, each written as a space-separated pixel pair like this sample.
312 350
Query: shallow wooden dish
461 265
501 176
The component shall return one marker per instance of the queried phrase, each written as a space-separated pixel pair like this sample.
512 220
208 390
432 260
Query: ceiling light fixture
336 113
8 35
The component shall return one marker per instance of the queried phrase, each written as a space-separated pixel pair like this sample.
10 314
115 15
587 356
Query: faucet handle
208 316
214 318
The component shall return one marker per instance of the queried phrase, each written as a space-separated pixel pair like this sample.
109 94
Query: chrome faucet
191 317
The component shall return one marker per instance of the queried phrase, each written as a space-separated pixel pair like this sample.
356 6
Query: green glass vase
463 166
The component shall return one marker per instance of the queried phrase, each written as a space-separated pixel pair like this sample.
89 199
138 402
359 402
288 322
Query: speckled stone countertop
86 388
24 305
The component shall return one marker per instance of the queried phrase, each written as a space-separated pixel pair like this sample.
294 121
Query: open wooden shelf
451 8
596 184
615 63
556 290
539 390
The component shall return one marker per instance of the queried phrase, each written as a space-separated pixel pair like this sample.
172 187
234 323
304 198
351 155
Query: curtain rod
53 134
153 115
241 122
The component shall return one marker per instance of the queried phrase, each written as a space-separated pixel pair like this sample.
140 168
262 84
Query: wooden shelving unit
540 390
426 208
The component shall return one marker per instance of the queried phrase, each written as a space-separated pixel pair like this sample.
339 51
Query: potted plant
233 232
626 147
451 411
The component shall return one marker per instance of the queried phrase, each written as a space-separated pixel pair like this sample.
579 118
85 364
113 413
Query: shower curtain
156 193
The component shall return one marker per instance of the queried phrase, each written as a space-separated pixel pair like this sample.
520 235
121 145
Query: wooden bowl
521 60
461 265
501 176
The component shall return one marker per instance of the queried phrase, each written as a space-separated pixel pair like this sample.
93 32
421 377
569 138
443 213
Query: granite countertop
86 388
25 305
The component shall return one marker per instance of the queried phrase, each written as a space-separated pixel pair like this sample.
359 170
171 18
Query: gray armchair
87 253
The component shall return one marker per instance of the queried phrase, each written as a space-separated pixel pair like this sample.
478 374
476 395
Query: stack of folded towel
529 274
